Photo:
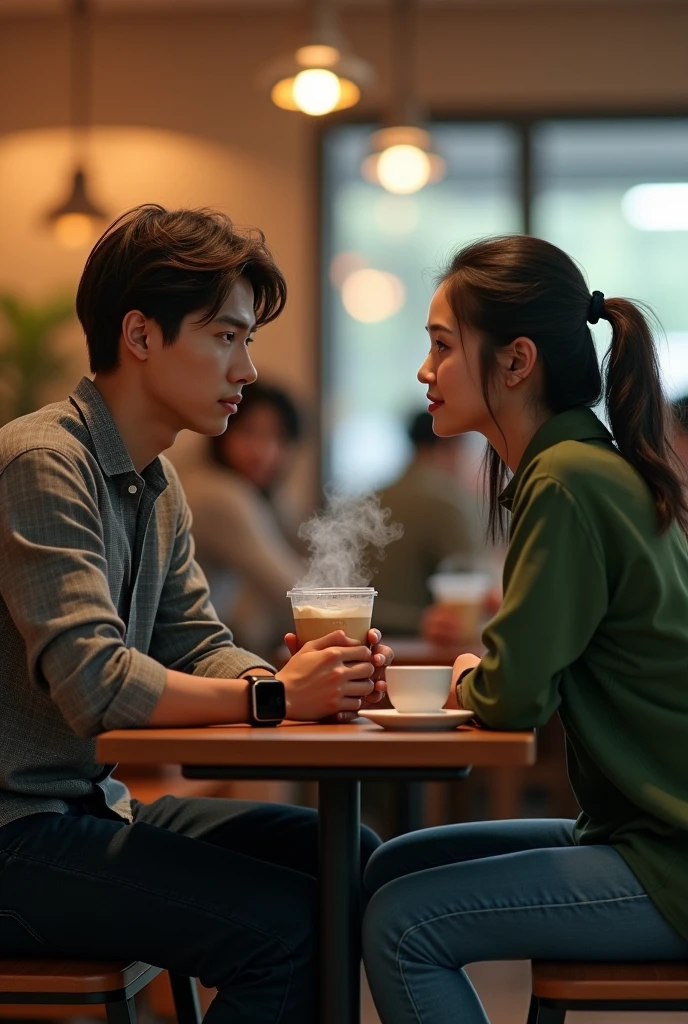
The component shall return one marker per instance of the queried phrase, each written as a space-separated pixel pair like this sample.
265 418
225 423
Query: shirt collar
111 452
579 424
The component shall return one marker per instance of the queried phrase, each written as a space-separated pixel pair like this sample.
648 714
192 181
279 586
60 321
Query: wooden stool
560 986
112 983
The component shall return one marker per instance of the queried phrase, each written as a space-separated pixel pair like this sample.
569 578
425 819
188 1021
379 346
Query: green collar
573 425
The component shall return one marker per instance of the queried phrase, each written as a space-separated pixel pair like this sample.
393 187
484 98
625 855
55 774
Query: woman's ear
517 360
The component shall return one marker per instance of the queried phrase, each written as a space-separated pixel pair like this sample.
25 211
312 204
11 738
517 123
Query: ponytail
639 416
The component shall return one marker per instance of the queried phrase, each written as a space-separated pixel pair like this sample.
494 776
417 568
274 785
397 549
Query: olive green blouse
594 625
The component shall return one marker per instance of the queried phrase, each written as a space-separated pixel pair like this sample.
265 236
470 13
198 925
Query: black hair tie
596 311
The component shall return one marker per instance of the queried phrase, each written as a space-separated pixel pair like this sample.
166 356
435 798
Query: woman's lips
435 405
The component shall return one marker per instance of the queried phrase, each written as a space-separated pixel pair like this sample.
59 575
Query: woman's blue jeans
498 890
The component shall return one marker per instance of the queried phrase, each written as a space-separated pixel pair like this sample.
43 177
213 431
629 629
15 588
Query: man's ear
135 327
517 360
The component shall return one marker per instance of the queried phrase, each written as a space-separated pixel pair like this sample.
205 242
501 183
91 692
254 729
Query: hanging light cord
403 50
80 74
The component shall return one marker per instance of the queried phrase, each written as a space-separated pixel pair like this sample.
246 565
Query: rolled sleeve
54 583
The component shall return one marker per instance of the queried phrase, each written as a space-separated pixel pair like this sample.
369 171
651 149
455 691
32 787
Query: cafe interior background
564 118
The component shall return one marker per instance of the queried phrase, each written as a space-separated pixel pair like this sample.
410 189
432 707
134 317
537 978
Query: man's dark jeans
222 890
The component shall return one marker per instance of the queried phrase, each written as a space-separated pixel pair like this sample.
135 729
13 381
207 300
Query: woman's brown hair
168 264
517 286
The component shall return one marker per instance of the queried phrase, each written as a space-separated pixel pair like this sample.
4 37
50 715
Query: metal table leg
410 805
339 804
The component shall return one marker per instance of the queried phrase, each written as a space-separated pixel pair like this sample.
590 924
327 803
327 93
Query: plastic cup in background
466 594
320 611
418 688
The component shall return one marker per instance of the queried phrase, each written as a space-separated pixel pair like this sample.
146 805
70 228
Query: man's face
196 382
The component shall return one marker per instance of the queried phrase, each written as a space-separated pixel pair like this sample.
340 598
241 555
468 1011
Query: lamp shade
402 160
74 220
318 78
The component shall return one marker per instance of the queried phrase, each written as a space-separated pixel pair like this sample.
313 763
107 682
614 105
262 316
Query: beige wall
218 140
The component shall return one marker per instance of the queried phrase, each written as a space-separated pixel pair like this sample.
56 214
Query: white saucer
416 721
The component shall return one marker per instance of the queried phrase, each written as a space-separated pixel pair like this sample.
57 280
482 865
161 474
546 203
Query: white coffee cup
418 688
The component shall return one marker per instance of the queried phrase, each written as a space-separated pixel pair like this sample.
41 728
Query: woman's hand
463 662
379 657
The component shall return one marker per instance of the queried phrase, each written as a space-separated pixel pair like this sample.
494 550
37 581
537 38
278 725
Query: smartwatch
267 702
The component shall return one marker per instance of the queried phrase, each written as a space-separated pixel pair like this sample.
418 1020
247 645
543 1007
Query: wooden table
338 757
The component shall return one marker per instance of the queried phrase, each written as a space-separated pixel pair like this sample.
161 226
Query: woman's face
257 447
452 372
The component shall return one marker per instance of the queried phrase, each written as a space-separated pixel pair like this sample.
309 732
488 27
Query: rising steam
342 538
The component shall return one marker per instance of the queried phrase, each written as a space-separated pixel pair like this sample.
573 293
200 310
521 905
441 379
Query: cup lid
333 591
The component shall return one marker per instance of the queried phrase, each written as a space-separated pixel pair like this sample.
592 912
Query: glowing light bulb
73 230
403 169
316 91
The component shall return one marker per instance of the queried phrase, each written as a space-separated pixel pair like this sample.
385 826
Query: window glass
381 255
614 194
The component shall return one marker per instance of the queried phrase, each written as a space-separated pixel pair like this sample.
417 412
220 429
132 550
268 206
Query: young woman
594 625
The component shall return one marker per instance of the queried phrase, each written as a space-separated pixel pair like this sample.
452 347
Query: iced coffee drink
318 612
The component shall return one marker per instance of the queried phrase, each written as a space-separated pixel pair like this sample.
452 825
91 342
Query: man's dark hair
168 264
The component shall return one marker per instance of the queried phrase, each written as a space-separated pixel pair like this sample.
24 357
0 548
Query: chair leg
546 1014
121 1012
185 996
533 1010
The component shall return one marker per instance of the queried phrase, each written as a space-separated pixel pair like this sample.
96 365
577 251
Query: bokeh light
372 295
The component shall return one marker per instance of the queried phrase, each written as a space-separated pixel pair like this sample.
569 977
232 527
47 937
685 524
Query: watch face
269 702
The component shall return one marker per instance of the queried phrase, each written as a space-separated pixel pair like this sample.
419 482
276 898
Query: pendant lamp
76 219
321 75
402 158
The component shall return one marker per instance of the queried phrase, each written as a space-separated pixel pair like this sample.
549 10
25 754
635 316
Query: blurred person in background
441 526
245 541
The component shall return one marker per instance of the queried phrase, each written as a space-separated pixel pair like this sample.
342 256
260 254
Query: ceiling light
320 76
73 221
657 207
402 159
76 219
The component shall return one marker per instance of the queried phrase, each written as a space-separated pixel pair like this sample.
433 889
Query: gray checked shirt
99 594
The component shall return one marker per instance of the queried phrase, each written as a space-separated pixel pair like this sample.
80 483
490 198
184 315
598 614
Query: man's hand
378 658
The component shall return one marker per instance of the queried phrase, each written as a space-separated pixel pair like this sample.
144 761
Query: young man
105 622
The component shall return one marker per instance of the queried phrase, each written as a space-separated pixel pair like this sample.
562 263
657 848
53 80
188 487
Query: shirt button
132 488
